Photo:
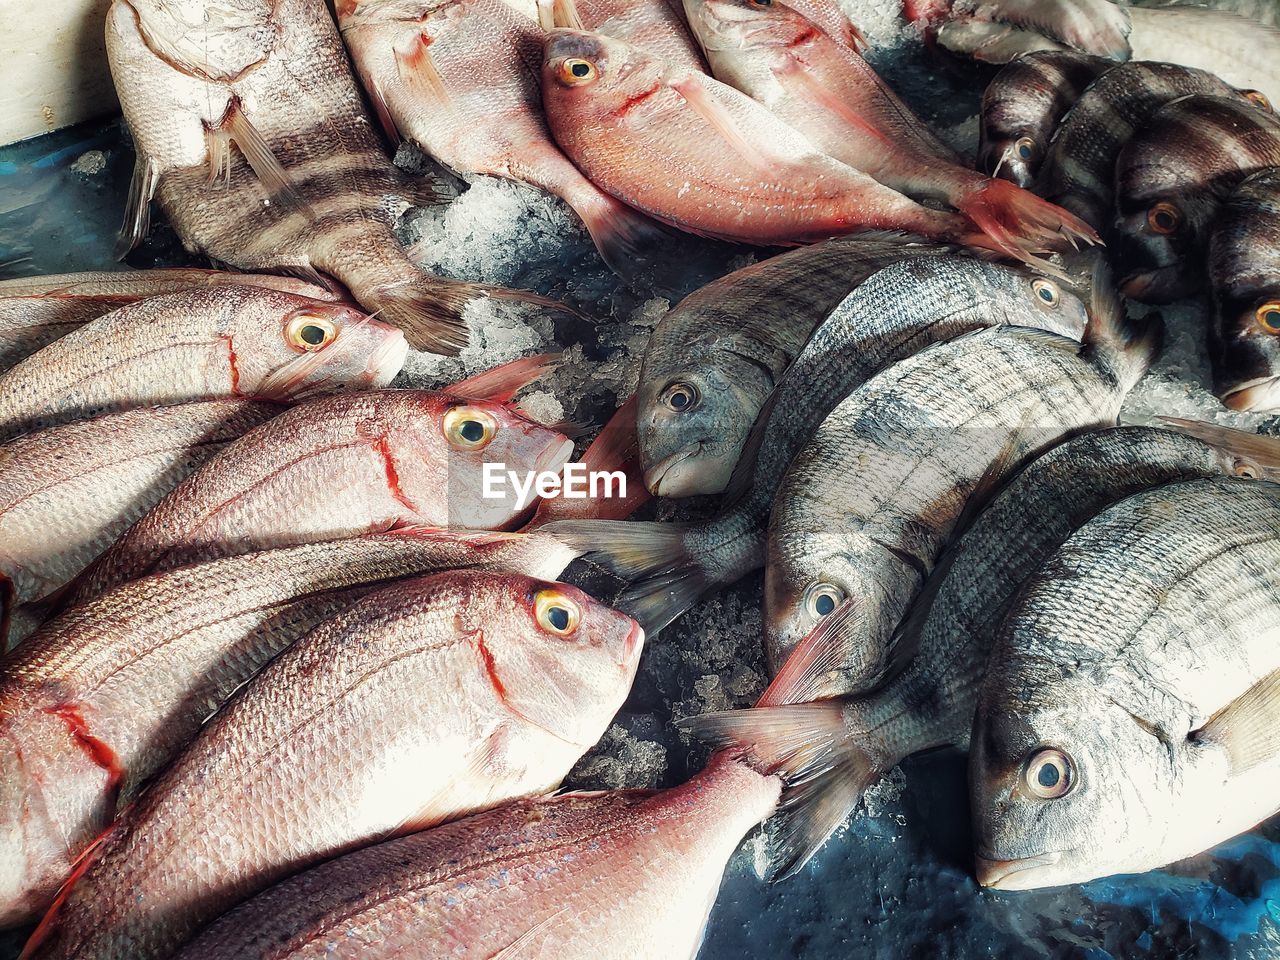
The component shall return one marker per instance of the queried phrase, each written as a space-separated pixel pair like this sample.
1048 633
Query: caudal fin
824 770
1020 224
1256 456
1126 346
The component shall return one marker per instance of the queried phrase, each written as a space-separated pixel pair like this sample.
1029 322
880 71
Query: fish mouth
554 457
1012 874
631 646
1161 285
660 472
1257 396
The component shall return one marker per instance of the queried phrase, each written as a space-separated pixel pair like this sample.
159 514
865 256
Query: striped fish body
104 695
715 358
653 859
1022 106
1244 276
1079 171
1127 719
422 702
307 187
1171 180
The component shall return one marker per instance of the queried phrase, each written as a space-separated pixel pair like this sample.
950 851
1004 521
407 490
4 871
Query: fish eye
1049 774
309 333
680 397
1258 97
556 613
576 72
763 3
822 599
1024 148
1164 218
468 428
1245 469
1046 292
1268 316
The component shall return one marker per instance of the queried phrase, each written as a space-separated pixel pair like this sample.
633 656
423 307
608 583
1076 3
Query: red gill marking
491 668
235 366
47 923
97 750
808 34
383 449
636 100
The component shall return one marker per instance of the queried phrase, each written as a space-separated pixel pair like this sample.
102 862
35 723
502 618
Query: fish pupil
824 605
1272 319
312 335
559 618
1046 294
471 431
679 400
580 69
1024 152
1048 776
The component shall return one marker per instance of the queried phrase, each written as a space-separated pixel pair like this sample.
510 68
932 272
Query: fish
524 868
891 316
656 26
35 311
830 752
338 467
1124 723
1244 278
1094 26
1079 171
457 79
1023 105
103 696
333 745
307 189
619 114
713 360
221 342
831 95
1171 179
67 492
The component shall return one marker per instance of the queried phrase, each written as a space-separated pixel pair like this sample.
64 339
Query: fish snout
1262 396
1020 874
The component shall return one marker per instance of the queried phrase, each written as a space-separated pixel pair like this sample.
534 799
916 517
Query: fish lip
1002 874
1139 284
554 458
633 643
654 476
1251 397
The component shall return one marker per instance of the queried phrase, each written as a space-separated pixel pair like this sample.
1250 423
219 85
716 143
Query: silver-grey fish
1171 179
1128 716
1244 277
889 317
1022 106
850 742
713 360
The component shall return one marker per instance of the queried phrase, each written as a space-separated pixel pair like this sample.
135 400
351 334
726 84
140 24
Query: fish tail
824 770
1256 455
1126 345
1020 223
428 309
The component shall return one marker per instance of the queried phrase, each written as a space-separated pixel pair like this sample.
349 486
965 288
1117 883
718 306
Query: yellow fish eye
556 613
576 72
1268 316
1049 774
822 599
1164 218
1024 148
309 333
1258 97
469 428
1047 292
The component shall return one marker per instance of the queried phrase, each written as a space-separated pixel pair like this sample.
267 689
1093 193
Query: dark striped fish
713 360
1079 170
853 741
307 189
1022 106
1171 180
1244 274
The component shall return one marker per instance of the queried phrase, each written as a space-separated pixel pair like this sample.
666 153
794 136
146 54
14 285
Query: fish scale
333 745
1157 622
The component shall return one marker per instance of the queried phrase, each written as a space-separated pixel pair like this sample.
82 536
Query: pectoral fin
564 14
137 211
419 74
236 127
723 122
1247 727
810 88
446 803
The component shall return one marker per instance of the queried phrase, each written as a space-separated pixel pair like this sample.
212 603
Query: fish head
1013 155
561 659
738 25
492 453
1027 296
315 347
1066 784
218 42
586 75
1245 350
1158 243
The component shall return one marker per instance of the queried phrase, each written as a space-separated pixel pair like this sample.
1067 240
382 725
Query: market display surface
939 615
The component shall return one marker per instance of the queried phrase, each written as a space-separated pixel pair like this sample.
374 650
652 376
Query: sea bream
344 465
832 96
1244 278
1022 106
221 342
1171 179
103 696
424 701
830 752
1079 171
459 79
67 492
1095 26
35 311
1129 712
250 131
511 882
890 317
714 359
656 26
729 168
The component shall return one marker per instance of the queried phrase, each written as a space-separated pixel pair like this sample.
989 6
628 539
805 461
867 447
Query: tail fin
1256 456
505 381
1020 223
1127 347
824 770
